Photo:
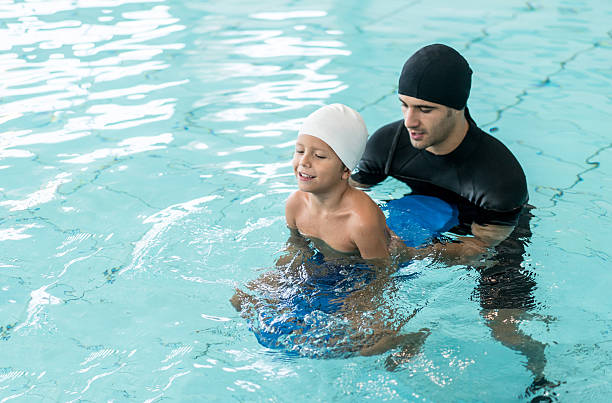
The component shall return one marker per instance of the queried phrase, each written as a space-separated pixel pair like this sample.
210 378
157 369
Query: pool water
144 165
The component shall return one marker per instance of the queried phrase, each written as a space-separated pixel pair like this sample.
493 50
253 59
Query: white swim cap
342 128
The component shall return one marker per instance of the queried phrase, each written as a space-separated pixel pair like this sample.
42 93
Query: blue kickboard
418 219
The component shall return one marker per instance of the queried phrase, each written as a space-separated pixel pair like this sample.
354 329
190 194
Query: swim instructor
438 150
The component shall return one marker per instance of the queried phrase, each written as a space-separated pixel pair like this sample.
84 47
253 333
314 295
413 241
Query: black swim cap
437 73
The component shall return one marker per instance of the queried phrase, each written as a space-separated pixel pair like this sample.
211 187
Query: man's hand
491 235
466 249
358 185
471 249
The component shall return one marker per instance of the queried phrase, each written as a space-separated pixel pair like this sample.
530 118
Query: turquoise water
144 164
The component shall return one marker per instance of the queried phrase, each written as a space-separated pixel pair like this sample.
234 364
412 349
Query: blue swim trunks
301 316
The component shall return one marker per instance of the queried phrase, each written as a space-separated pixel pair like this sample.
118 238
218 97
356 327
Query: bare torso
354 226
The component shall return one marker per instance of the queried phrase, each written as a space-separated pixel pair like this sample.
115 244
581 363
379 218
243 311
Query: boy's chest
333 230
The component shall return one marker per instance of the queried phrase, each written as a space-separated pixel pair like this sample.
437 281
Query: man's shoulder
497 174
371 168
387 131
491 152
493 144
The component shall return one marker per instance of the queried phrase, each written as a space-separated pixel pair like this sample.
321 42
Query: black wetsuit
481 176
486 183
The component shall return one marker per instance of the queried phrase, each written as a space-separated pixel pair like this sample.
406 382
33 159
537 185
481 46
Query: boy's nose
305 160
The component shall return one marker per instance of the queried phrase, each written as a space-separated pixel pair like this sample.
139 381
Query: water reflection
47 193
76 55
287 15
276 71
134 121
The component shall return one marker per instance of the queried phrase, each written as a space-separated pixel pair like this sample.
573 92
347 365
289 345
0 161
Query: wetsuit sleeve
371 168
503 185
510 218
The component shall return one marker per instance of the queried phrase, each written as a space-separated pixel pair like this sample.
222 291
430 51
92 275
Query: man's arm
358 185
466 249
371 169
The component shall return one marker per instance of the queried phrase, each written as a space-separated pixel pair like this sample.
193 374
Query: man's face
430 125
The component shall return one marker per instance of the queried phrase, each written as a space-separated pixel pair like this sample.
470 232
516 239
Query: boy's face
316 166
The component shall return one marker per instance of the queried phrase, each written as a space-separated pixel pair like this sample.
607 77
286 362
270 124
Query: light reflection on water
144 163
66 83
97 109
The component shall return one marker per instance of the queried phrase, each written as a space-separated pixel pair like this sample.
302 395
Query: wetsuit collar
465 148
402 129
466 112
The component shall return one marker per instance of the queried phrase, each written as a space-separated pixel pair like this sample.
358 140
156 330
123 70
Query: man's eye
320 156
425 109
299 151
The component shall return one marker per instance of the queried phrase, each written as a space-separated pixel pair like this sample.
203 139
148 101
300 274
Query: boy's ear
346 173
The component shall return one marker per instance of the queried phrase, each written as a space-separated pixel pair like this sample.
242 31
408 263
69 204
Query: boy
340 221
325 207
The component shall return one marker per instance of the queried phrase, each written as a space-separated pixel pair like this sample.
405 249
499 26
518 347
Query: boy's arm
296 242
270 280
291 208
370 235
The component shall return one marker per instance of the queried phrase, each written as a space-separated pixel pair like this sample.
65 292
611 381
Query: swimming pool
144 164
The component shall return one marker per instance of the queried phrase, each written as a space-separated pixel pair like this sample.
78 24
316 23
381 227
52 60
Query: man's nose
410 118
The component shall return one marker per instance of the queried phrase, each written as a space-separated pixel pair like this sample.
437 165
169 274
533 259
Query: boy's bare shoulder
368 227
293 197
293 206
296 199
364 203
367 214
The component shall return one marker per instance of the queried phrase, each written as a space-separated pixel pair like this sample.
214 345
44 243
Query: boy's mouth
305 177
